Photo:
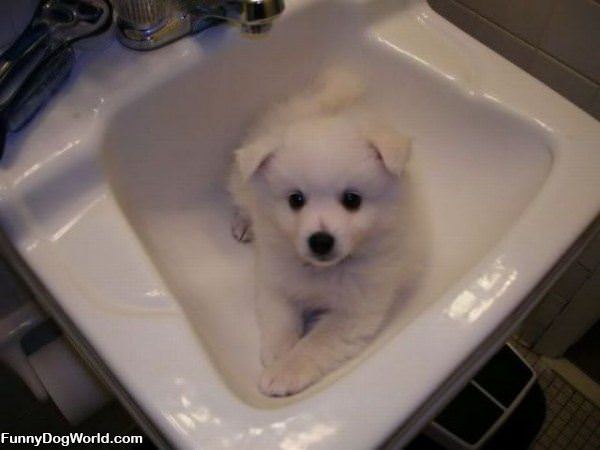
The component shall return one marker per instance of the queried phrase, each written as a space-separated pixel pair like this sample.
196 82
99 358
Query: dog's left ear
254 156
390 147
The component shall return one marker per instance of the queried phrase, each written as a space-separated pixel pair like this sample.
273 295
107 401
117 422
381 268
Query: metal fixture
150 24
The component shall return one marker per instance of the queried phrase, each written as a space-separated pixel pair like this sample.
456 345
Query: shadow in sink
167 156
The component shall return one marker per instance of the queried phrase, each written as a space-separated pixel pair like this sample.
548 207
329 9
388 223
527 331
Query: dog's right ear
254 157
389 147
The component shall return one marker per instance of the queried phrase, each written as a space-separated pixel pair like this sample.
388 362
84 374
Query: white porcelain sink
115 198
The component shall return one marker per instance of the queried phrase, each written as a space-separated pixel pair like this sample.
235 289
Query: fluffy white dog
321 189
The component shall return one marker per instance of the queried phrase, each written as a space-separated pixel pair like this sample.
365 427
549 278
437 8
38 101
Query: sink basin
479 168
115 198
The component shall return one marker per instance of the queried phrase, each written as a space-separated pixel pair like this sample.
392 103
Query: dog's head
327 183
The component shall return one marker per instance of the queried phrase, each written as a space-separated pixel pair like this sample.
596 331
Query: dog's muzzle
321 245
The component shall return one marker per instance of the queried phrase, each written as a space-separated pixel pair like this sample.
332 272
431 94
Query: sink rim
166 231
563 120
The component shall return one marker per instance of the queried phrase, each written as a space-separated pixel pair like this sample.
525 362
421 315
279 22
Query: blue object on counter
36 64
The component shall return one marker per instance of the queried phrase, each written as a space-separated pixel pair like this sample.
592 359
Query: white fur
321 143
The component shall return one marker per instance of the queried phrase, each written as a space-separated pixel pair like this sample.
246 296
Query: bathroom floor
572 420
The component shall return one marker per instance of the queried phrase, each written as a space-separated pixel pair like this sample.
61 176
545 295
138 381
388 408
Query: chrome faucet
35 65
150 24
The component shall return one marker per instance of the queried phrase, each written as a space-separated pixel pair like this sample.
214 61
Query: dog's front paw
241 228
288 376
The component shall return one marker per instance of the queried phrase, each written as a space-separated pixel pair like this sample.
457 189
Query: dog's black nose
321 243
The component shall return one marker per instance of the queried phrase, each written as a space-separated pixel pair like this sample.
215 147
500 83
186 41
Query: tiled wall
556 41
569 309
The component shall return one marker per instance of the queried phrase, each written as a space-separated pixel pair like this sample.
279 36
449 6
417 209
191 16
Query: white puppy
321 189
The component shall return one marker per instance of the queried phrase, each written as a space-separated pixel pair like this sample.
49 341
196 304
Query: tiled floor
572 421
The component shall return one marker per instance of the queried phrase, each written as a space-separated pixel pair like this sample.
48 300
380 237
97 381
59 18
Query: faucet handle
142 14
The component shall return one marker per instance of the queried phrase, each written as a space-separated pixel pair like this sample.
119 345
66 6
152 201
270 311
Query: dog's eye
296 200
351 200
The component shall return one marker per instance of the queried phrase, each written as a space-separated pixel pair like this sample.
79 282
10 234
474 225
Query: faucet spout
258 15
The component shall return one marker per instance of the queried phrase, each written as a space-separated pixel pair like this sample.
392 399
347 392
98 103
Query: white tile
526 19
571 281
564 80
590 257
573 36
